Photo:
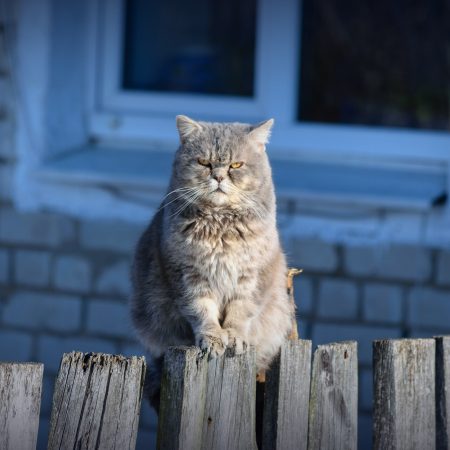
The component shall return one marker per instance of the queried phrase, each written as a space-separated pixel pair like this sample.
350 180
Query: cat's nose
217 177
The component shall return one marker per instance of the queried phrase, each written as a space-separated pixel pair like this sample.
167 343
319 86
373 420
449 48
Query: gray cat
209 270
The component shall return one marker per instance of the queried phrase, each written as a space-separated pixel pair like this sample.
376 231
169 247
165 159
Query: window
201 46
378 63
344 80
166 58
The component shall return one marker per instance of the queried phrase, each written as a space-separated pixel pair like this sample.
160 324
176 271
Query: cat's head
223 164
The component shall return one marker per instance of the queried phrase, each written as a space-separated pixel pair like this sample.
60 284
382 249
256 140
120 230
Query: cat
209 270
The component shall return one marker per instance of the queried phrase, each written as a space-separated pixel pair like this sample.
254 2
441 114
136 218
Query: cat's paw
214 343
236 342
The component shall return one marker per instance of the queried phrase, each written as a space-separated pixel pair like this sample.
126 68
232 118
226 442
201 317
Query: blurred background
89 89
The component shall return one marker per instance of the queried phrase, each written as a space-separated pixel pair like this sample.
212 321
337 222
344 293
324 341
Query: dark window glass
204 46
384 62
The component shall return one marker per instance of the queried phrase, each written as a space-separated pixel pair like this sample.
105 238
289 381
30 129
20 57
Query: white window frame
129 114
138 116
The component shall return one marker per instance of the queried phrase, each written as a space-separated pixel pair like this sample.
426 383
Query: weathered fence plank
442 393
404 394
229 421
333 405
20 402
285 423
96 402
182 399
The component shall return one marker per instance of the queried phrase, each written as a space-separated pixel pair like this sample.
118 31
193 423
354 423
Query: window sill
296 181
335 202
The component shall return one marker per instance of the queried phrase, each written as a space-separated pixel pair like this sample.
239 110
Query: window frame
113 97
135 116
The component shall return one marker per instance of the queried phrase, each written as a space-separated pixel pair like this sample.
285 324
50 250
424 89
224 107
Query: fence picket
182 399
285 423
20 402
442 393
333 404
96 402
230 403
404 394
209 404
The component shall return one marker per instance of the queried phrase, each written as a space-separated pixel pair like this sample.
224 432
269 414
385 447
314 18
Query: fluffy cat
209 270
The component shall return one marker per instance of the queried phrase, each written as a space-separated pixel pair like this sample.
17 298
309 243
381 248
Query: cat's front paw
214 343
236 341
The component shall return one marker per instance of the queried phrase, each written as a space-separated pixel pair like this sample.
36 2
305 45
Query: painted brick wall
64 285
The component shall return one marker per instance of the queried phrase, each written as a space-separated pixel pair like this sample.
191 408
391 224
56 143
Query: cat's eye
203 162
236 165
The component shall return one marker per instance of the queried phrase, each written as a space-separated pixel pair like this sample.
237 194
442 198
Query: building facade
84 161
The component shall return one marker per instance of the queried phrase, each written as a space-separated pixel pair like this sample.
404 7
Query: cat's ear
260 133
186 127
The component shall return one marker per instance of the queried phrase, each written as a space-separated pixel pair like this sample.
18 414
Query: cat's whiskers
190 191
189 195
177 190
188 201
184 191
196 192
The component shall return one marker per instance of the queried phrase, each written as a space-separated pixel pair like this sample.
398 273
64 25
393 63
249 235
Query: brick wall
64 285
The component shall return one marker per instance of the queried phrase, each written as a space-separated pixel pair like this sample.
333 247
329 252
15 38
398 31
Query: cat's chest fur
222 250
219 239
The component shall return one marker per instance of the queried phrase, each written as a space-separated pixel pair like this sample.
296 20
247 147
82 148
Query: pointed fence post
333 404
207 404
20 402
229 421
183 390
285 422
442 392
404 394
96 402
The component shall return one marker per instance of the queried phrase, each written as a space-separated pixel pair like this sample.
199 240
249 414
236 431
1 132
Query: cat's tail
152 383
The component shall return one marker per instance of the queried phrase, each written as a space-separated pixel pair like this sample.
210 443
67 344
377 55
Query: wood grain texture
182 403
285 422
96 402
229 420
442 393
333 404
20 402
404 394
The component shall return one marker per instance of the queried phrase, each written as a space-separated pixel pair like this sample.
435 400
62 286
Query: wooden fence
217 404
